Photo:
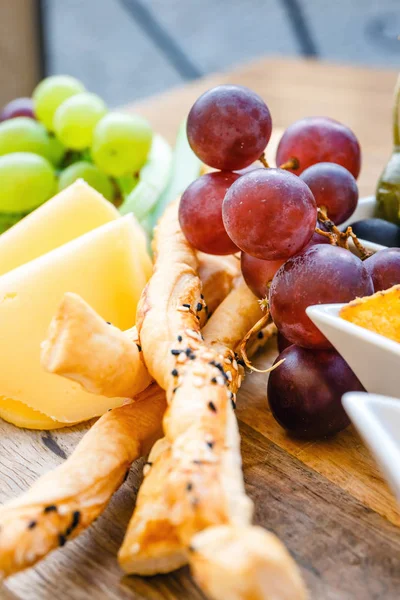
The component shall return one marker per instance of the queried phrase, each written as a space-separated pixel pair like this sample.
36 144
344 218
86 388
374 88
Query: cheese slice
21 415
104 268
71 213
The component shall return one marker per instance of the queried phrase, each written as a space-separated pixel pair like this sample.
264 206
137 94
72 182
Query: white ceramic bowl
374 358
377 419
365 210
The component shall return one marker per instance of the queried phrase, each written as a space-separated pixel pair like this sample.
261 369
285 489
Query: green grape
76 118
127 183
56 151
7 220
23 134
121 143
91 174
27 180
50 93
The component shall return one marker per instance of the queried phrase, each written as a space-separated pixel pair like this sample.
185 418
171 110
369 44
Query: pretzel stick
65 501
197 479
84 348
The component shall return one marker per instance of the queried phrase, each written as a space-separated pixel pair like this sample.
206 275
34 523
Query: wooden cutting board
326 500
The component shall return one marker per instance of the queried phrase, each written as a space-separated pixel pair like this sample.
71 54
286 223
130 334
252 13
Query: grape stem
340 238
292 163
260 325
264 161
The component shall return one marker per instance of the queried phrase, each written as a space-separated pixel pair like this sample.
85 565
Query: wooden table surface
326 500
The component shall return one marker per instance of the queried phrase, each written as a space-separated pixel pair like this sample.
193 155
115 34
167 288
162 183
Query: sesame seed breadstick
65 501
82 347
196 479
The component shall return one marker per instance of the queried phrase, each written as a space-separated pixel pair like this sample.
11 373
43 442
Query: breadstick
244 562
197 479
83 347
65 501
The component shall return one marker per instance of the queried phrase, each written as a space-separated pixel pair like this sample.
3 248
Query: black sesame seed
139 347
50 508
174 373
179 338
197 317
192 356
76 517
186 305
32 524
213 380
212 406
189 486
188 352
260 335
176 352
108 322
61 539
210 444
199 306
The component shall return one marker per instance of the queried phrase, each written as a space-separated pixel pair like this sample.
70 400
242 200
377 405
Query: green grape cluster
64 133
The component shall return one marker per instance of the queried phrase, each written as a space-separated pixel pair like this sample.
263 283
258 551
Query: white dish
377 418
373 358
365 210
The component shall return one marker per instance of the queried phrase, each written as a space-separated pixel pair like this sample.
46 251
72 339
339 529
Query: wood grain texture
326 500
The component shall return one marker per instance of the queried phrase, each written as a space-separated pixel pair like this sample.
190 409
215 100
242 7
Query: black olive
378 231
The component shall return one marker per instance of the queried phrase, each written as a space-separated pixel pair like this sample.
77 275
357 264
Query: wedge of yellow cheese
21 415
102 266
73 212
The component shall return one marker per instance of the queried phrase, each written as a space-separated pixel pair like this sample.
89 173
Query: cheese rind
71 213
103 267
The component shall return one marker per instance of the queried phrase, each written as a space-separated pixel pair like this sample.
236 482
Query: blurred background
128 49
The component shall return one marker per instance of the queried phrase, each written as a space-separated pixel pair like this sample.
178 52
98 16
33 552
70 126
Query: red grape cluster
270 214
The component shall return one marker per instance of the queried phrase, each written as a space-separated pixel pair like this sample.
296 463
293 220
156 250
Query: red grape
317 238
305 391
384 268
20 107
321 274
319 139
200 213
258 273
229 127
283 343
334 188
269 213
